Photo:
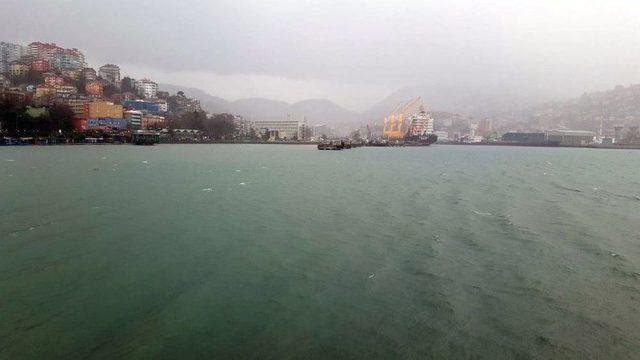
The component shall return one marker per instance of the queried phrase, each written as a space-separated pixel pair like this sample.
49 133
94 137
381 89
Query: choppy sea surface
269 251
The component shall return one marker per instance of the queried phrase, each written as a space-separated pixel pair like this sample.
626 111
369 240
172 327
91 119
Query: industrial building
530 138
570 137
551 137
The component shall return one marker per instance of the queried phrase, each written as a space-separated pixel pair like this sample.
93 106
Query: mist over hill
315 111
513 111
590 111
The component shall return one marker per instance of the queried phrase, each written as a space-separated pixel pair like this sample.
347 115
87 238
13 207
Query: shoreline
590 146
593 146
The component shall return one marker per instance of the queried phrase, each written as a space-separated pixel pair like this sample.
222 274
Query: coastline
248 142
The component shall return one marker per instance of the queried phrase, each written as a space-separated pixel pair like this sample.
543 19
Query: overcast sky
352 52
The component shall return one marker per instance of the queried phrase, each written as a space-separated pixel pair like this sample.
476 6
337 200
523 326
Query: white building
287 129
443 136
147 88
134 118
163 106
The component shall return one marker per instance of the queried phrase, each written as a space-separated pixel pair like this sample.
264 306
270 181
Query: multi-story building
104 109
78 106
64 91
17 70
80 109
134 118
89 74
443 136
93 88
71 74
8 53
53 80
68 59
180 103
153 121
40 65
305 132
286 129
243 126
13 95
39 50
57 57
484 128
147 88
110 73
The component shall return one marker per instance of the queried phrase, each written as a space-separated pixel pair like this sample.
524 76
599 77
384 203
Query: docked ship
410 125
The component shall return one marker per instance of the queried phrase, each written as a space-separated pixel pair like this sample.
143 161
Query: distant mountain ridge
618 106
316 111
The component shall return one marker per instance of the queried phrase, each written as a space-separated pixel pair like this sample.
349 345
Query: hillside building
93 88
110 73
147 88
9 53
17 70
89 74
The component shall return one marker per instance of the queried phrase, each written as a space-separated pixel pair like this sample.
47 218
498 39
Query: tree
128 85
193 120
252 134
221 126
11 112
60 117
109 90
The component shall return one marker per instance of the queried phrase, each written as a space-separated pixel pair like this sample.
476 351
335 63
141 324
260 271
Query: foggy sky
352 52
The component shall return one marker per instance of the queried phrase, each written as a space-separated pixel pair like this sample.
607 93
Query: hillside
619 106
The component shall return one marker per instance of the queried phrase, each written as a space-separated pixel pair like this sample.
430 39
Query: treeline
218 126
17 119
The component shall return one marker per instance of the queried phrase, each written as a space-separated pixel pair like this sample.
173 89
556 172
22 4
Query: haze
460 55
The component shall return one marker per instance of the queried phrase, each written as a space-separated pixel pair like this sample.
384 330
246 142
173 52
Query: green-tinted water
251 251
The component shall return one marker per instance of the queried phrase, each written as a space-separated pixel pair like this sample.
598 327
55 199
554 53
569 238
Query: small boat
334 145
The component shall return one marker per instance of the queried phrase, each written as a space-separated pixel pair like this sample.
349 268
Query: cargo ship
410 128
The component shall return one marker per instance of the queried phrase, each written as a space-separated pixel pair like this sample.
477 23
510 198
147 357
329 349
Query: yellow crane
394 127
